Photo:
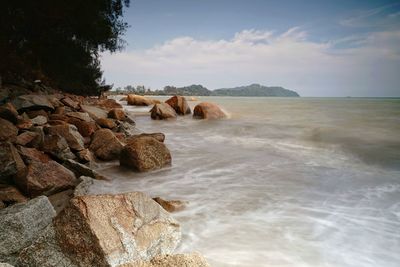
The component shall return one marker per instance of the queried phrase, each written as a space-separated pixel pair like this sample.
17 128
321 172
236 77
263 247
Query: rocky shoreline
51 143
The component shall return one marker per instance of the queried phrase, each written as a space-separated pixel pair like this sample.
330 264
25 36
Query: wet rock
83 170
85 156
29 102
57 146
111 230
106 123
175 260
162 111
39 120
70 133
94 112
8 132
125 98
21 224
84 185
11 164
83 116
44 252
145 154
85 128
8 112
105 145
10 195
158 136
207 110
179 104
117 114
46 178
137 100
70 103
25 138
171 205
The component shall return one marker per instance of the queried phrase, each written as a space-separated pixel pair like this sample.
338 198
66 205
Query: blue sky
318 48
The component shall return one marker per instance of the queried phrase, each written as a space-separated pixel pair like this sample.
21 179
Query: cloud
368 67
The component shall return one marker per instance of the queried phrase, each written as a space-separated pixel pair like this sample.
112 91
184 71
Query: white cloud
288 59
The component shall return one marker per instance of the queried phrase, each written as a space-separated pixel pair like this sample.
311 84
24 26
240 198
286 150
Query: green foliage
60 41
255 90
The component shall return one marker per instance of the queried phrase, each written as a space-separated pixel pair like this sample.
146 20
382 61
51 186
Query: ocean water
282 181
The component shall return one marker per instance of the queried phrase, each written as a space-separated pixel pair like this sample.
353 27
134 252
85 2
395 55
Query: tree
59 41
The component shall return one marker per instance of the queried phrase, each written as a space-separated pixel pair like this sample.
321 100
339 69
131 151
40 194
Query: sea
302 182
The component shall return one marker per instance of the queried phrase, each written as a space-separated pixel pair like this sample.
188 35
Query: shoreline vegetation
199 90
51 143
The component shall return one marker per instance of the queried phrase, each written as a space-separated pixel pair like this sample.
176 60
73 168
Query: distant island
199 90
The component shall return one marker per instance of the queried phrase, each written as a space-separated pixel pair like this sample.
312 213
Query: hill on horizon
255 90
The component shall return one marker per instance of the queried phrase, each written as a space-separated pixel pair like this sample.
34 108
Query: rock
28 102
57 146
106 123
125 98
25 138
34 113
11 164
162 111
85 156
207 110
10 195
8 132
24 124
175 260
70 103
94 112
145 154
70 133
126 128
39 120
158 136
179 104
83 187
2 264
57 122
105 145
109 104
21 224
44 252
117 114
60 110
32 154
46 178
112 230
137 100
171 205
61 199
85 128
58 117
83 116
83 170
8 112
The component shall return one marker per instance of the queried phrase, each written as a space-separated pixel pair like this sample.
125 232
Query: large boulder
145 154
70 133
117 114
109 104
112 230
162 111
206 110
21 224
158 136
138 100
8 132
46 178
179 104
85 128
27 102
105 145
11 164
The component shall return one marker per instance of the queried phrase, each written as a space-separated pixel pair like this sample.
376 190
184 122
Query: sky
316 47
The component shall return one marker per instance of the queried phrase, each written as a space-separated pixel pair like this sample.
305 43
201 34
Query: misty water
282 182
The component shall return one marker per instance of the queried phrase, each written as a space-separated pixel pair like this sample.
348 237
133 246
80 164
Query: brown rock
162 111
61 199
175 260
109 104
179 104
137 100
207 110
117 113
85 128
145 154
70 133
57 122
59 117
106 123
57 146
85 155
112 230
29 102
59 110
125 98
11 164
8 132
158 136
8 112
46 179
105 145
34 113
171 205
83 116
70 103
25 138
32 154
10 195
24 124
94 112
